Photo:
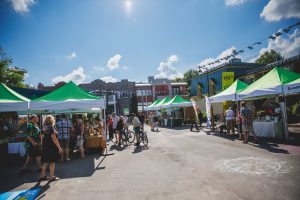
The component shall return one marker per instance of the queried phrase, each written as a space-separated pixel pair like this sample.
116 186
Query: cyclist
136 127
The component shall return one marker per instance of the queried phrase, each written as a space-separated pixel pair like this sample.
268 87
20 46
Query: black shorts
34 151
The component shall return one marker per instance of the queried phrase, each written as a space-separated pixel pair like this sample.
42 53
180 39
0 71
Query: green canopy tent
177 101
270 84
11 101
68 97
159 105
150 107
230 93
292 87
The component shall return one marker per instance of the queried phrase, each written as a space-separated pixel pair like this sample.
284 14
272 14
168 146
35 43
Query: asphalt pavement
177 164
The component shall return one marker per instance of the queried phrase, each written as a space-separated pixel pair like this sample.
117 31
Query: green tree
11 76
187 77
269 57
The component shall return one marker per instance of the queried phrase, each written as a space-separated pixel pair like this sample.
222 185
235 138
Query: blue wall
217 76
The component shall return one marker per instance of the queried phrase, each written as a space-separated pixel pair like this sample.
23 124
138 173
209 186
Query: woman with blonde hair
51 149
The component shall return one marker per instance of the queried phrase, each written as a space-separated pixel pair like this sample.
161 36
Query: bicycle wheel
124 139
130 136
145 139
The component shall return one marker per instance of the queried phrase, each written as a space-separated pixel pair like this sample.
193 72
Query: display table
95 142
268 129
17 147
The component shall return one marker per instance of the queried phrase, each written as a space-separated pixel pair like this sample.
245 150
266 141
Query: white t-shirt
229 114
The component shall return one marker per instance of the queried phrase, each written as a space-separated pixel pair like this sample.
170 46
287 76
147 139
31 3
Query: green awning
152 105
162 102
177 101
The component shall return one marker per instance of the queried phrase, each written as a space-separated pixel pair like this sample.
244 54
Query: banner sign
227 79
208 114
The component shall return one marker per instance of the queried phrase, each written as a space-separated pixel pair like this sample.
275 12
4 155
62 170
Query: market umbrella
270 84
67 97
162 102
177 101
150 107
292 87
11 101
230 93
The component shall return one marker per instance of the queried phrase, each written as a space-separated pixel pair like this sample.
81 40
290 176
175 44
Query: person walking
110 128
79 130
194 122
119 129
142 120
136 128
33 143
63 127
246 115
115 120
200 117
51 149
229 121
155 122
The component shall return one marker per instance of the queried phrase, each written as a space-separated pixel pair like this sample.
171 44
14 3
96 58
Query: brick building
154 89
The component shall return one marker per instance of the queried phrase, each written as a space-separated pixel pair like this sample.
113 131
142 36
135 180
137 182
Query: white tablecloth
17 147
268 129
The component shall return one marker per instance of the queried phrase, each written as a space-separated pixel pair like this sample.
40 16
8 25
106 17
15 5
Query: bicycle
128 136
143 138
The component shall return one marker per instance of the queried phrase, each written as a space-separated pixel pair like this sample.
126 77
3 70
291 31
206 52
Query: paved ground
178 165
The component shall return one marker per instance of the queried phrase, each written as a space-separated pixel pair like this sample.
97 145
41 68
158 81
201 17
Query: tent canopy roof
178 100
234 88
163 101
8 95
154 103
69 91
276 77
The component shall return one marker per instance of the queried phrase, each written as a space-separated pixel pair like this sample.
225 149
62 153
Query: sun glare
128 5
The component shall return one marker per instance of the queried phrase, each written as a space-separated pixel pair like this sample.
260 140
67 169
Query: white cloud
113 62
22 6
98 68
166 69
288 46
125 67
276 10
26 75
108 79
225 53
77 76
72 55
234 2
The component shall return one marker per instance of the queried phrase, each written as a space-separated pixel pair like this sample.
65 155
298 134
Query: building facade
154 89
213 81
121 95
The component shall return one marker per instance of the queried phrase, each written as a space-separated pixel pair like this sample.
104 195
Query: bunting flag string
235 52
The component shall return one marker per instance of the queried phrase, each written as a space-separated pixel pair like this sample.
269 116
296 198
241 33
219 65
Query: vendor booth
275 83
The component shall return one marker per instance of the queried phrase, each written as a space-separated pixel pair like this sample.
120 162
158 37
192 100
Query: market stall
277 80
150 107
70 98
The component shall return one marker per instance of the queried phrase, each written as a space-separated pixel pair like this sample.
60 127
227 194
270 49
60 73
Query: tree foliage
269 57
10 76
187 77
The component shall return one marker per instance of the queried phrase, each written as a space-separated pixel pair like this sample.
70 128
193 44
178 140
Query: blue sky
84 40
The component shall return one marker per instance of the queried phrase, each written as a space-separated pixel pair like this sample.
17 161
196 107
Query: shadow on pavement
11 179
272 147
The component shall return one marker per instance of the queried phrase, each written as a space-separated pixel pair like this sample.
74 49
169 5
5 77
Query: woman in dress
51 149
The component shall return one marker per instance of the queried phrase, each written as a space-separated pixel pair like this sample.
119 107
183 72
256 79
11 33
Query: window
125 94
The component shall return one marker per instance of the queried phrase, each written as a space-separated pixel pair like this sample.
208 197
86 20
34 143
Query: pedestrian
119 129
110 127
246 115
115 120
63 127
100 131
79 130
51 149
142 120
193 122
32 143
155 123
165 117
136 128
229 121
200 117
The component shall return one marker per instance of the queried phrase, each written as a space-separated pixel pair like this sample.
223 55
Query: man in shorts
136 127
246 115
63 127
115 120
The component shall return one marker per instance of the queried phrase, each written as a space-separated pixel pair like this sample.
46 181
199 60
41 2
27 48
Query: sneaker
137 144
